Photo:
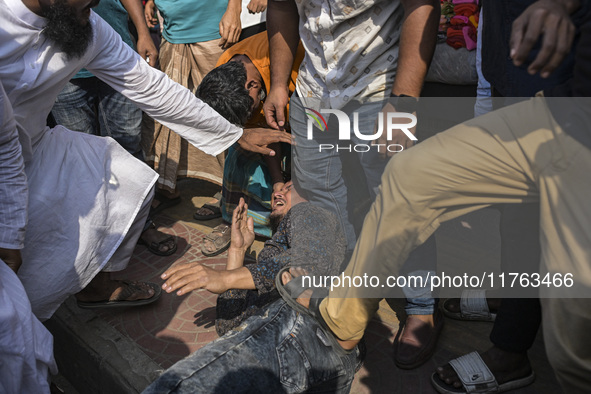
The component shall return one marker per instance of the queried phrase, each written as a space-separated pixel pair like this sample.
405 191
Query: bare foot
103 288
209 210
505 366
304 300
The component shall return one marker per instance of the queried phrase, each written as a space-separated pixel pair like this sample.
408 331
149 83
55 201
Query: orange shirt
257 49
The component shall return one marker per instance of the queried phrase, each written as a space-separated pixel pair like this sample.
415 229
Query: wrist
404 103
572 5
236 252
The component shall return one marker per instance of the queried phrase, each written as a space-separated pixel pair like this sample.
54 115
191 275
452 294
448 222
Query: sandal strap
473 305
475 375
217 230
149 224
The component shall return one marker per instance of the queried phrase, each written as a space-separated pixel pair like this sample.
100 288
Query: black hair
223 89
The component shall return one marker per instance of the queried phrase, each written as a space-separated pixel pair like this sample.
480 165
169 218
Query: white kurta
84 191
26 347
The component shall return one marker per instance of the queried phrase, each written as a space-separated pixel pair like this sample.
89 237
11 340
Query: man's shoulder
308 212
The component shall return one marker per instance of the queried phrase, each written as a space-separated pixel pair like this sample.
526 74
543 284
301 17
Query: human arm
184 278
230 25
550 18
13 188
256 6
242 235
274 166
172 105
418 37
282 29
150 13
145 45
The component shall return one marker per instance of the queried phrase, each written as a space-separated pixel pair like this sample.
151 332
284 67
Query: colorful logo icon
319 119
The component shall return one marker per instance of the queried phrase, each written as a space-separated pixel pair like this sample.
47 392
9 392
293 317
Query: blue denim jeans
281 351
91 106
320 173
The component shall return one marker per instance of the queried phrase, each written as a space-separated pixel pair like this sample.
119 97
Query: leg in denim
280 352
75 106
119 118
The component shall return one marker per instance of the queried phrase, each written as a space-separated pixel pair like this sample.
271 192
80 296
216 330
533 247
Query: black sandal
154 247
214 208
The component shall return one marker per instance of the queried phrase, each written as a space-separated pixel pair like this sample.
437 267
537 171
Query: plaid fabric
247 176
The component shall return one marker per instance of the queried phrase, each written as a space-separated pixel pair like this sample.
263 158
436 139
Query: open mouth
278 203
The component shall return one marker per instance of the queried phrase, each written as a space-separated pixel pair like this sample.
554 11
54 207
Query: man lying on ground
269 350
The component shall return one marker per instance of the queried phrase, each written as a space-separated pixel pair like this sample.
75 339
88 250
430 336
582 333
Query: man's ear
252 84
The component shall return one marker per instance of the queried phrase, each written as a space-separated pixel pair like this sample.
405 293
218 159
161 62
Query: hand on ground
185 278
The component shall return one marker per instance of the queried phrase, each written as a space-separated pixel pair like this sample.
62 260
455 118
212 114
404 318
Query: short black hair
223 89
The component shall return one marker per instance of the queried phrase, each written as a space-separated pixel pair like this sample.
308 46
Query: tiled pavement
174 327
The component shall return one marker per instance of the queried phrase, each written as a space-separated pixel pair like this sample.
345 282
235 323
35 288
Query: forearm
283 32
136 14
417 44
235 258
274 164
239 278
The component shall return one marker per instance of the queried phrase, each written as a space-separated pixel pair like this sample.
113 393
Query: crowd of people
98 122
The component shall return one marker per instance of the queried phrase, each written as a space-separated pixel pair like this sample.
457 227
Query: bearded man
87 198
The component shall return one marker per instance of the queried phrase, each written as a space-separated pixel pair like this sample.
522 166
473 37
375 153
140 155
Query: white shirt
351 48
33 71
13 182
26 347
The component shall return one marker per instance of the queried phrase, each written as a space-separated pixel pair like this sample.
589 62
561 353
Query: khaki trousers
514 155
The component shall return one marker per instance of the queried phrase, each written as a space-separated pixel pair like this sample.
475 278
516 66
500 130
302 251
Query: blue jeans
320 173
281 351
93 107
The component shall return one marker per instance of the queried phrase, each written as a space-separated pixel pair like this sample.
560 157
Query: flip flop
214 208
221 237
476 377
130 287
473 307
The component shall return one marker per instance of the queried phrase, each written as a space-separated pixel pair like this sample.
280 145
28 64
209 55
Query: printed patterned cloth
351 49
